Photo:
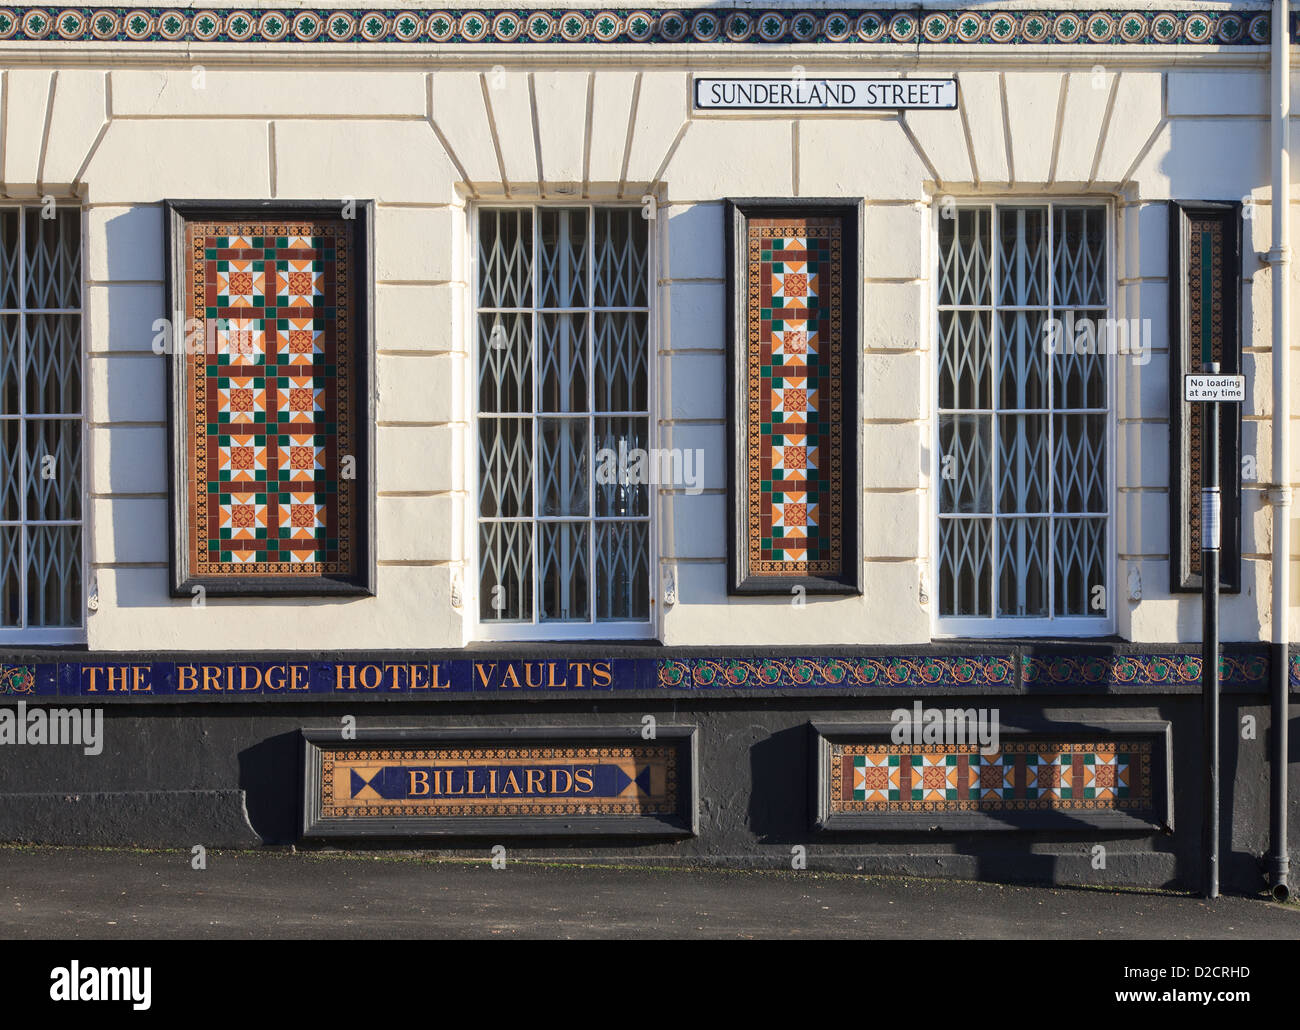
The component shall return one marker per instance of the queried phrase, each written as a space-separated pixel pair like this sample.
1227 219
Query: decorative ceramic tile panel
857 26
1020 776
796 370
794 400
272 402
983 769
556 781
1207 248
271 413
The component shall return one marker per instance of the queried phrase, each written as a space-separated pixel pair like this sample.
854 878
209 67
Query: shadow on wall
781 812
134 450
136 402
1228 160
779 802
269 776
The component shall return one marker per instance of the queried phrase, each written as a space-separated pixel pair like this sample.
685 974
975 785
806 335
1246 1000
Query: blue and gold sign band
222 678
384 782
1097 27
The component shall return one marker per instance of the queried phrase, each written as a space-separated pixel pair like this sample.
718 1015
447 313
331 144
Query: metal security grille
562 327
40 422
1023 325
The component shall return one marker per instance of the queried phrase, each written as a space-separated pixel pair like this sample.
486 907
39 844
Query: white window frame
488 630
54 635
1005 626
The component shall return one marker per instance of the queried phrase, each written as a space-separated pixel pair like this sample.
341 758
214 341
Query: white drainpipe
1279 258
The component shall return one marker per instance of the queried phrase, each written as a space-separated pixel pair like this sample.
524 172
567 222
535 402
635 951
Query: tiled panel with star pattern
271 401
985 769
797 383
1019 775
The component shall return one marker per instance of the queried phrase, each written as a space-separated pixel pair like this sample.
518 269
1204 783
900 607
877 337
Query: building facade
588 430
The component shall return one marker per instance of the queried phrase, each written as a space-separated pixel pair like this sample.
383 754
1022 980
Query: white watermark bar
812 94
1229 388
951 726
79 727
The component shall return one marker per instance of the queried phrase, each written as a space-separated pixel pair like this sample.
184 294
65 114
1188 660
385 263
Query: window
40 425
563 335
1024 335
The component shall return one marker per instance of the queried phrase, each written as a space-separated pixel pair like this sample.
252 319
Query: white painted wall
1138 128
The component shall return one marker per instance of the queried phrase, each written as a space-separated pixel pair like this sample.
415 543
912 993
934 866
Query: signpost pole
1210 521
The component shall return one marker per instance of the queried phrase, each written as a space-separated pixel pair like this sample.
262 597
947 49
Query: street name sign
813 94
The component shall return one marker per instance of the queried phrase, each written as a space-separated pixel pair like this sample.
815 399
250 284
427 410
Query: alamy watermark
657 466
234 336
81 727
1072 334
921 725
75 982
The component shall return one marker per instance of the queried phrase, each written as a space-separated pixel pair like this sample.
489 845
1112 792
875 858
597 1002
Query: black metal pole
1279 723
1210 518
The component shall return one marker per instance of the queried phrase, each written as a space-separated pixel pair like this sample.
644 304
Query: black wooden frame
1159 732
1181 578
177 215
684 823
738 213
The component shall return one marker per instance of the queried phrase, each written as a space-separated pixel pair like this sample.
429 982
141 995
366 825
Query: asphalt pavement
74 893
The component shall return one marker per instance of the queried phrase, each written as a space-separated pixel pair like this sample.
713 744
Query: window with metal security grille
563 421
1025 342
40 425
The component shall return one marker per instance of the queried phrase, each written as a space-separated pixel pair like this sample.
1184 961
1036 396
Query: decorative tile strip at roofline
856 26
422 676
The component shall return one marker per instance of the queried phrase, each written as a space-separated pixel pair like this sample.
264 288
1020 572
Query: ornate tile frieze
560 26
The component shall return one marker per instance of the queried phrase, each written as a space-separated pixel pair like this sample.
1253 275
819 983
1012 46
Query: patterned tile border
1142 670
769 673
559 26
221 678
